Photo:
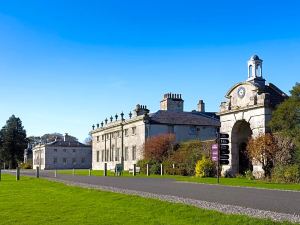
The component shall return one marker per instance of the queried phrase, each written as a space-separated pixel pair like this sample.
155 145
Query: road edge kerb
238 186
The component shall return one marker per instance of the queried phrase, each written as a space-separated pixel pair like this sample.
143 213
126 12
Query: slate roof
254 57
62 143
276 95
184 118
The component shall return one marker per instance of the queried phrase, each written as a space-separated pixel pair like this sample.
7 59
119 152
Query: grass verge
38 201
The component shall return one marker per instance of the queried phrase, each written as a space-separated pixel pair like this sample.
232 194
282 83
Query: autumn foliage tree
159 147
263 149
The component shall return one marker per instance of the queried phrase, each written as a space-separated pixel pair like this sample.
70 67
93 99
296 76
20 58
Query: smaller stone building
246 113
62 154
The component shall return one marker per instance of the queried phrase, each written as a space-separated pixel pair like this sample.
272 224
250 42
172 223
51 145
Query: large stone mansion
119 140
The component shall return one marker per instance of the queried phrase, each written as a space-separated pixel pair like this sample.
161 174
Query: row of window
65 150
66 161
117 134
115 155
194 130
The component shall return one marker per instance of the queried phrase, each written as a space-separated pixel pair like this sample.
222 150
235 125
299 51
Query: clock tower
255 70
246 113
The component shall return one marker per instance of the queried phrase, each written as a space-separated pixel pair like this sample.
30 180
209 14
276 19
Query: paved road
270 200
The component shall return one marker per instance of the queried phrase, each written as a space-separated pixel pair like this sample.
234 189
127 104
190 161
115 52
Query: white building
62 154
121 141
246 113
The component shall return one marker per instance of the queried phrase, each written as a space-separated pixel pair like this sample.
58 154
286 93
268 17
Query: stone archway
245 113
240 134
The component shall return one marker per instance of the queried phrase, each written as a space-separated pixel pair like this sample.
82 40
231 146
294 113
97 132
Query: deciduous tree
286 119
159 147
263 150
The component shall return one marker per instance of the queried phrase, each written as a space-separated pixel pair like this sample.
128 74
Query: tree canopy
286 119
12 141
159 147
49 137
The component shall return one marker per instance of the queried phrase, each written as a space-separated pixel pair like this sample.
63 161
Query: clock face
241 92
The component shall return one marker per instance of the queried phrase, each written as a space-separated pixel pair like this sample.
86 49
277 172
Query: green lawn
38 201
223 181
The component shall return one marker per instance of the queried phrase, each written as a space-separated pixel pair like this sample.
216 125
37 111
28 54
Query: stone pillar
161 169
37 172
90 172
55 173
173 168
18 173
147 172
73 173
134 170
105 170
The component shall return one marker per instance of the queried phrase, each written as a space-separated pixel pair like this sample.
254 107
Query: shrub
168 167
143 165
186 156
25 166
229 174
286 174
155 168
205 168
249 175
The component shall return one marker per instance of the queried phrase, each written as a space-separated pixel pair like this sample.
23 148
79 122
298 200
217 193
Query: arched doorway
241 132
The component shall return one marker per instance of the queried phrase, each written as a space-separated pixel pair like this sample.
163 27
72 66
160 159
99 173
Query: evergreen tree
286 119
13 141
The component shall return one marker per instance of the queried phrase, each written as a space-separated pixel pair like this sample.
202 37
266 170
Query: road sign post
224 148
215 156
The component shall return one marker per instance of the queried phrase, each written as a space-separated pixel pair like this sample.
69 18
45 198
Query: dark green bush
143 165
186 155
286 174
154 168
249 175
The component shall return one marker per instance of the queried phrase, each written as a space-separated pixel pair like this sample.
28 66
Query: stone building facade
120 141
246 113
62 154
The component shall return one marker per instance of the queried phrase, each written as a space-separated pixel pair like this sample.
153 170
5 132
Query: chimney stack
141 110
201 106
172 102
65 136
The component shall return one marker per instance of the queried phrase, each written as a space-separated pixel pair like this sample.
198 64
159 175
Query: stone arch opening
241 132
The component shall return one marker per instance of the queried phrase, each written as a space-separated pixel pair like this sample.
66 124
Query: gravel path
229 209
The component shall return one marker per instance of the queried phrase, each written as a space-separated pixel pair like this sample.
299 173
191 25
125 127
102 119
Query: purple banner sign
214 152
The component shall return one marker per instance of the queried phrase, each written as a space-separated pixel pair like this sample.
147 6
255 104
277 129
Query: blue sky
65 65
